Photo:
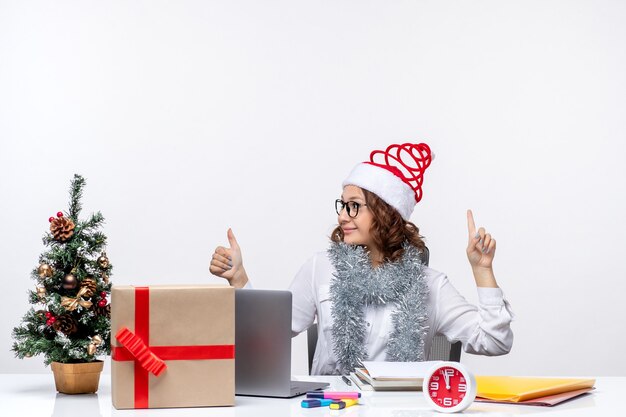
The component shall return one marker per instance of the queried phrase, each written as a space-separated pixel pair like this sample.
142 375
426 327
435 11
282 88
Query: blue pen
318 402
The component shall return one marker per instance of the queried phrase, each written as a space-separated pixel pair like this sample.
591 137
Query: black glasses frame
352 207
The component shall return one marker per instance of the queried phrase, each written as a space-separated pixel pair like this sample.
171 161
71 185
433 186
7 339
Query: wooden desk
26 395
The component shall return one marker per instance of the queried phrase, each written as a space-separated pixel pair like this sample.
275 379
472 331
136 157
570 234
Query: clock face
447 387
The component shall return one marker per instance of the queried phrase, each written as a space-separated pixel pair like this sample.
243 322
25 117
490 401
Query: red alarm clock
449 387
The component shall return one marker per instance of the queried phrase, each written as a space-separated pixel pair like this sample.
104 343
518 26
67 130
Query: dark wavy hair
389 230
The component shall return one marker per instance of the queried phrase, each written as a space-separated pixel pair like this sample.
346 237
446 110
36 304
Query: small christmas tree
73 323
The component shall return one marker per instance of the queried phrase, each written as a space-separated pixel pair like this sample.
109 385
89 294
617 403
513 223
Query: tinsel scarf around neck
356 284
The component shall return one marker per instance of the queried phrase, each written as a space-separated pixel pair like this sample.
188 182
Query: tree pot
77 378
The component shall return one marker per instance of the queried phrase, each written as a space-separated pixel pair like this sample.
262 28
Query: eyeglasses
352 207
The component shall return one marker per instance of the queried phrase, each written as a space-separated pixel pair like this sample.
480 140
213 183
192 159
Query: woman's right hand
227 263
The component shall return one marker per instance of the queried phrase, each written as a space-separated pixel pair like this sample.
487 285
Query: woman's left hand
481 247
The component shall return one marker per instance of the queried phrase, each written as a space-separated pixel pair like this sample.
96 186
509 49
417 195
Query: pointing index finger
471 226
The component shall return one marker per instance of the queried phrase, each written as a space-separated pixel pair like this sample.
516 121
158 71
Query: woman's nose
343 216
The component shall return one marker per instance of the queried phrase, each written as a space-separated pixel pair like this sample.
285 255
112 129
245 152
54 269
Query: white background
187 117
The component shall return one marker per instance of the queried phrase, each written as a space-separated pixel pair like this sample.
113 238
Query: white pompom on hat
398 176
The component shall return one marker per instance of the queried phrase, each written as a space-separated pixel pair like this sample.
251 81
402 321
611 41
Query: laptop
263 345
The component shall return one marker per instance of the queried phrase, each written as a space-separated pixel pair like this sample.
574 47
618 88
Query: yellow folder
516 389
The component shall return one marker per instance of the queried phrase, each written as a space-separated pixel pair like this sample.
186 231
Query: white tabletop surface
34 395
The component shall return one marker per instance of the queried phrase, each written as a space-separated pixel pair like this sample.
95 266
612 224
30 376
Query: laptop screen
262 342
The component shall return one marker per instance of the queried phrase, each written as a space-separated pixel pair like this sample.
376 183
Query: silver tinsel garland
357 285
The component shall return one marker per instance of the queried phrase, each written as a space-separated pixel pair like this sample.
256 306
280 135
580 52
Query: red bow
146 358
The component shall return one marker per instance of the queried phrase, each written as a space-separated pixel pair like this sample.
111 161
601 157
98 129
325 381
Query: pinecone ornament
65 324
102 311
89 284
62 228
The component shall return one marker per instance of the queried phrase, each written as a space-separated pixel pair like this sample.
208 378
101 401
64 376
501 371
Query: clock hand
446 377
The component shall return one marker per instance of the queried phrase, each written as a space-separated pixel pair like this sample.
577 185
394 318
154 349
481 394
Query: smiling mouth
348 230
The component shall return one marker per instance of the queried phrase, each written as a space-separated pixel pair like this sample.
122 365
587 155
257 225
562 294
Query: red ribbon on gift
150 359
146 358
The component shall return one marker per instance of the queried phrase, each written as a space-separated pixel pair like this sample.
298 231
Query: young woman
372 296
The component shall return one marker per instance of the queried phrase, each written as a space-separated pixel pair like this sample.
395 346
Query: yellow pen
339 404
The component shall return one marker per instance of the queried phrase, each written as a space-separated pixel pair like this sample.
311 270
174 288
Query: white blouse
483 330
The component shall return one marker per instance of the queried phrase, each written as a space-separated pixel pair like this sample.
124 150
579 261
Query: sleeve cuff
490 296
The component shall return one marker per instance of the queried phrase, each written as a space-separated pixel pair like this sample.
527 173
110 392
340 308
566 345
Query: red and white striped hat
395 175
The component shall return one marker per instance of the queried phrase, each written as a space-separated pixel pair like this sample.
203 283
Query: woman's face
356 230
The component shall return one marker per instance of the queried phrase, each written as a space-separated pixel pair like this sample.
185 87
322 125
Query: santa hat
397 177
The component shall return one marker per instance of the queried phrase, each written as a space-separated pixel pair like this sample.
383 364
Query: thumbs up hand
227 263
